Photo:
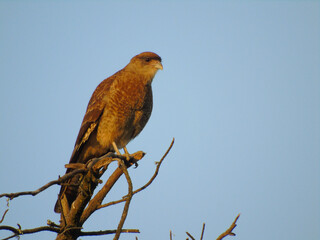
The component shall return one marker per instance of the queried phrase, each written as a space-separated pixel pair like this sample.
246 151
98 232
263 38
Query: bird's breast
127 110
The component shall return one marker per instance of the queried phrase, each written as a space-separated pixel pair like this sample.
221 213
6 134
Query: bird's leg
128 156
116 148
126 153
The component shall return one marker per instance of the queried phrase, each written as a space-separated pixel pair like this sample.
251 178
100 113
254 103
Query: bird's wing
94 111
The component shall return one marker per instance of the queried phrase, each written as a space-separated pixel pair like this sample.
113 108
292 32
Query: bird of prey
117 112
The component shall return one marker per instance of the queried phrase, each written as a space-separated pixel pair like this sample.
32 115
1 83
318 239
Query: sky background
240 92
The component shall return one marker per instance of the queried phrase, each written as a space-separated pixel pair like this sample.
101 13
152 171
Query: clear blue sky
240 92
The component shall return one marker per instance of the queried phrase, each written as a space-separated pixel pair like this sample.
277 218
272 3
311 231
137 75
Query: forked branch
229 232
144 186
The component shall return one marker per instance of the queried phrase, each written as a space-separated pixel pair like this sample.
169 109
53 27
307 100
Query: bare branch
229 232
19 231
157 169
98 198
126 206
202 232
44 187
190 236
52 224
6 211
106 232
144 186
4 214
84 205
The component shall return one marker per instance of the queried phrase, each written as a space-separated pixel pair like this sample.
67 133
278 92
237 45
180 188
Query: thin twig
157 169
3 216
44 187
12 236
202 232
52 224
106 232
190 236
229 232
19 231
126 206
144 186
5 212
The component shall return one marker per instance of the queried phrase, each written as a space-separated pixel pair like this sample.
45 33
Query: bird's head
146 63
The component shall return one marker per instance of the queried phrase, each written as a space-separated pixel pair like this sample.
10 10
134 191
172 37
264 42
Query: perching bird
117 112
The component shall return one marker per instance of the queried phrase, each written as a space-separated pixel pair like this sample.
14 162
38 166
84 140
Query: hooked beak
158 65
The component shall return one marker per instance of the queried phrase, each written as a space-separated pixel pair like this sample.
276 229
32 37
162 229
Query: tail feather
70 191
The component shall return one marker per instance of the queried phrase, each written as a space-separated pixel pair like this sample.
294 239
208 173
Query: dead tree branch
229 232
86 203
73 218
98 198
202 232
18 231
106 232
144 186
190 236
4 215
129 197
59 181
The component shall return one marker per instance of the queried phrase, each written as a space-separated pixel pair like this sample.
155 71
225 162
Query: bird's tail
70 191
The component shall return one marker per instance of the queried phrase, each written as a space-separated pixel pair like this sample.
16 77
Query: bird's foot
130 158
135 162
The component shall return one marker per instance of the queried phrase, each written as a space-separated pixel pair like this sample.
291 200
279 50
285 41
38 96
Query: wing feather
91 119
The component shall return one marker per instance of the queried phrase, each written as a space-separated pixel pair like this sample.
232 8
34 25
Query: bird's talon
134 161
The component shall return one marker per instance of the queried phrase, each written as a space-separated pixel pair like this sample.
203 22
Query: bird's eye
148 59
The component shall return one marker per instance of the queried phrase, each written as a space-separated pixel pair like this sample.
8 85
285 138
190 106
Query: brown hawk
117 112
